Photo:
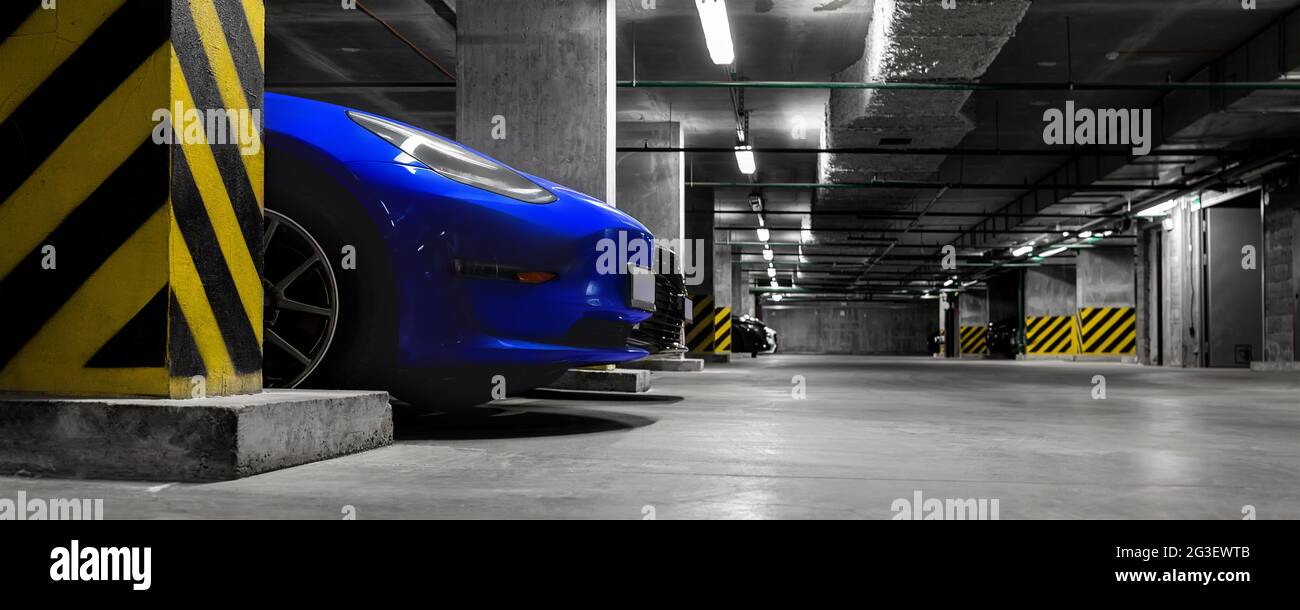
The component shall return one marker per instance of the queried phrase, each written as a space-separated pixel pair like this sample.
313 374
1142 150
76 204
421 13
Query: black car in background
749 334
1004 338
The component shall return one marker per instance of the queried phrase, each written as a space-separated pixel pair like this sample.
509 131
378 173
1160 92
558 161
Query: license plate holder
641 287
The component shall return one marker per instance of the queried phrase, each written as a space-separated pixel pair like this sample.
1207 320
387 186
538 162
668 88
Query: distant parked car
749 334
1004 338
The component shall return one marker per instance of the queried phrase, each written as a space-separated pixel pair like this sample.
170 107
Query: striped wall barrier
710 327
974 339
1050 336
1093 331
1108 331
129 262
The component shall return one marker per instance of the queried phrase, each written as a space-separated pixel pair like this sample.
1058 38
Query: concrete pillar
1106 321
742 300
1105 277
1281 267
536 89
713 295
652 186
973 316
1050 291
1050 301
130 239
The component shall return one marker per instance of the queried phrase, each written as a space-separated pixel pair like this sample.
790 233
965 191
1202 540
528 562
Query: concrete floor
731 443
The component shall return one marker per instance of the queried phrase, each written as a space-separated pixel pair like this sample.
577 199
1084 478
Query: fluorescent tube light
1159 210
717 30
745 160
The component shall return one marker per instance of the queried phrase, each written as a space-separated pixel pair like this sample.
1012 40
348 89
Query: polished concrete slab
734 442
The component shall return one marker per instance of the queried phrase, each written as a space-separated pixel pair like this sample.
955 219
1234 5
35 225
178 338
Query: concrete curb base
724 357
680 365
603 381
1275 366
202 439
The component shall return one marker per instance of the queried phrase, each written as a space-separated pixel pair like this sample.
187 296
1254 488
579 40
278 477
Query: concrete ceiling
1005 42
332 53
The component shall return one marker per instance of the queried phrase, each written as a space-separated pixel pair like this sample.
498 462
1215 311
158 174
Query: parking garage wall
852 328
1004 297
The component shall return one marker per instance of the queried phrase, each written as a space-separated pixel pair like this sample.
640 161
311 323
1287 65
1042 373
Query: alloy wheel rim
300 302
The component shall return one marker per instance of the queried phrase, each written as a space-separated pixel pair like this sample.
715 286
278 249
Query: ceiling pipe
939 152
895 215
967 86
923 185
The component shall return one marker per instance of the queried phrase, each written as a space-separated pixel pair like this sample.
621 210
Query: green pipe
907 184
960 86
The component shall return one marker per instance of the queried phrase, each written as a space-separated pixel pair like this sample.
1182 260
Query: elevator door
1234 311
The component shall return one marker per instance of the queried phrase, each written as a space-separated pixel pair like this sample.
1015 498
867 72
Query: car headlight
456 162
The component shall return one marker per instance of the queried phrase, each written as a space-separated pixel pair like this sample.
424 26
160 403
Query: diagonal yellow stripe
1032 323
194 304
1097 336
695 331
52 361
1091 323
256 14
216 200
704 304
723 330
42 43
1127 332
89 156
222 64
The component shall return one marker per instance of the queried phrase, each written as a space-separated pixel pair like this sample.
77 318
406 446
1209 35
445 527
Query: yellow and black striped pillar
131 196
710 328
974 340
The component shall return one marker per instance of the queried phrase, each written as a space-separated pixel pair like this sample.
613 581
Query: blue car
397 259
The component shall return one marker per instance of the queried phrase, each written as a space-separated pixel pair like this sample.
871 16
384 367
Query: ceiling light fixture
1159 210
1022 250
1052 252
771 272
745 160
768 254
764 234
717 30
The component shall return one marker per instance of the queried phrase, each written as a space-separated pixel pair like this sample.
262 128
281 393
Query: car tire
362 351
